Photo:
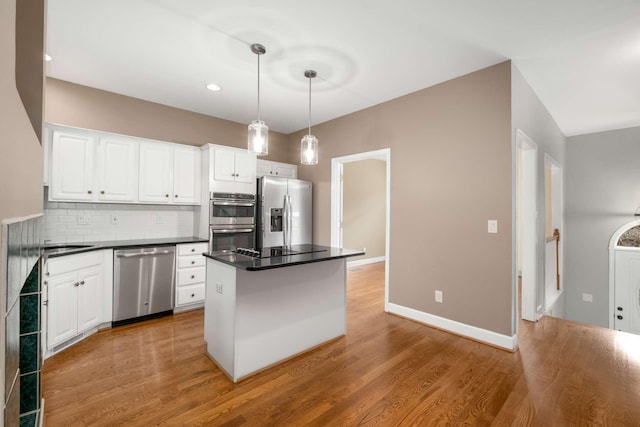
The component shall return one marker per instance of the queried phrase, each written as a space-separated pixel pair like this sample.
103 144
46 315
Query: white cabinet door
186 175
263 168
224 168
285 170
62 322
89 301
269 168
118 169
72 156
156 173
245 167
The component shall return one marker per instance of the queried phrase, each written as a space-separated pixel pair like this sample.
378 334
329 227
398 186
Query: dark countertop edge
289 262
122 244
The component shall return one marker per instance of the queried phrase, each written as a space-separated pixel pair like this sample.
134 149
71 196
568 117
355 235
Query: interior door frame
527 189
337 204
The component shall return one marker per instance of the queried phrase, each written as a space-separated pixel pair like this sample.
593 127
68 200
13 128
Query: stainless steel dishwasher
143 283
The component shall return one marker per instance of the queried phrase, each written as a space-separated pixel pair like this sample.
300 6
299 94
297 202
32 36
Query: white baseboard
478 334
365 261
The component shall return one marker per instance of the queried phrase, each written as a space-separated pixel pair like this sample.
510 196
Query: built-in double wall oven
232 221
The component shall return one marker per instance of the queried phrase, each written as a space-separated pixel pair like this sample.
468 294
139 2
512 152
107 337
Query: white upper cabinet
233 171
169 173
186 175
117 169
269 168
72 170
90 166
224 165
245 167
156 172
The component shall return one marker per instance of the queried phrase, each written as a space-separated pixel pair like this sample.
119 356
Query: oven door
231 212
229 238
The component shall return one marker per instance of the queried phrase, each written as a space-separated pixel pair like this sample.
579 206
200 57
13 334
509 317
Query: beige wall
84 107
30 25
20 150
450 173
364 207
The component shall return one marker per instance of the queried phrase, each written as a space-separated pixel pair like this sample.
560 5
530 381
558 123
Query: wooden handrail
556 236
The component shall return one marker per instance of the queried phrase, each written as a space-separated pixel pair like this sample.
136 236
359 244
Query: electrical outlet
219 287
492 226
587 297
84 219
439 296
115 220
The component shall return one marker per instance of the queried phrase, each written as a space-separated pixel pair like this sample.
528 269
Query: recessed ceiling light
213 87
47 57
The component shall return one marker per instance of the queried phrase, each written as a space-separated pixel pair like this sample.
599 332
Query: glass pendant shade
309 150
258 138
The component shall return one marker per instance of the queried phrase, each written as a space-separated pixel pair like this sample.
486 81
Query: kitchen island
261 309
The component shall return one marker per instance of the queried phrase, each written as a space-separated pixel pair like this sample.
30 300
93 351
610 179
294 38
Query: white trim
613 242
483 335
336 204
529 238
365 261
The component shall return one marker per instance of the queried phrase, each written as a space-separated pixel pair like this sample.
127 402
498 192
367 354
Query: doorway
527 212
554 239
338 205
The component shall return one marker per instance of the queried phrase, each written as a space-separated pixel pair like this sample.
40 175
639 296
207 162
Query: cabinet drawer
64 264
192 248
191 276
191 294
191 261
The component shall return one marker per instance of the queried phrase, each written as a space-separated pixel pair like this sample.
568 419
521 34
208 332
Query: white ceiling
581 57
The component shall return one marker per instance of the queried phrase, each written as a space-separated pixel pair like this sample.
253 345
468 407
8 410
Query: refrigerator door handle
286 229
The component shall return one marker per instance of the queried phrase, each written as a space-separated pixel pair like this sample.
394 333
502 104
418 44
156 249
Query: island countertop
280 257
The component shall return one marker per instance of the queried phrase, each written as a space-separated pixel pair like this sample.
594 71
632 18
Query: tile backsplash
90 222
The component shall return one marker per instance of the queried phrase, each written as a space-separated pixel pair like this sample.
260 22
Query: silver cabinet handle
141 254
233 204
235 230
82 282
76 284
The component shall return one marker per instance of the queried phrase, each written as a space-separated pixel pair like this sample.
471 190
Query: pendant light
258 137
309 143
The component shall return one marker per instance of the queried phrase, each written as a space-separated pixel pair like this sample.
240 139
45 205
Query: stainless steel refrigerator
284 213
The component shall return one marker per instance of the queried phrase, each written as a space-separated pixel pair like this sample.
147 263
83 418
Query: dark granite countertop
305 254
60 249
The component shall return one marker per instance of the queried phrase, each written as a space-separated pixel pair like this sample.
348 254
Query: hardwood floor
387 371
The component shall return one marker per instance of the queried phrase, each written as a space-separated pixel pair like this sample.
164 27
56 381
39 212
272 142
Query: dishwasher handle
142 254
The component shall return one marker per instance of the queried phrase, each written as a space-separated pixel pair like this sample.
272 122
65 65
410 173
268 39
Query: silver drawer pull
235 230
143 254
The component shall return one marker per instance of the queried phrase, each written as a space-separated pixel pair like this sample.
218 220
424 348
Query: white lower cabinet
77 295
190 274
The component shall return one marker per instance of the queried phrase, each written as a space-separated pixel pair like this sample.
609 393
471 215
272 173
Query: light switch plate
492 226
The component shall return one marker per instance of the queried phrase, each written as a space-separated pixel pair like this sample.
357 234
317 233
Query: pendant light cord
258 86
309 105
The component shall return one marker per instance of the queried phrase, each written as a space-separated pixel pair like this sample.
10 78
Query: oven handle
243 204
234 230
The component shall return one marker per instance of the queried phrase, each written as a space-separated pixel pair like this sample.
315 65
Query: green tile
29 353
31 285
28 420
29 307
29 392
